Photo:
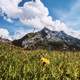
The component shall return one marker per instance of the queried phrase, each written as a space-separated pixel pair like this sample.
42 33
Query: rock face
47 39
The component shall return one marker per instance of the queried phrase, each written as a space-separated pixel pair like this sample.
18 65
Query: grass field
19 64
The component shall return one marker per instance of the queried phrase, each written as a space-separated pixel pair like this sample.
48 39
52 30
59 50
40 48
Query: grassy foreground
19 64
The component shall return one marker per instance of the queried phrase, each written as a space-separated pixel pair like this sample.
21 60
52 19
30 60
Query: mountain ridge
47 39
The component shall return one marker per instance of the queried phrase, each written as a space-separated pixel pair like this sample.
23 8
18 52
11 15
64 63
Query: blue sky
64 10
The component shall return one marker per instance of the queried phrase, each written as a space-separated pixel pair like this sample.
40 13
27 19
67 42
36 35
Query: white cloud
36 14
10 7
32 13
19 33
5 34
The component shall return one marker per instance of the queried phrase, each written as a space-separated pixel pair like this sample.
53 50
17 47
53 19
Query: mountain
3 40
47 39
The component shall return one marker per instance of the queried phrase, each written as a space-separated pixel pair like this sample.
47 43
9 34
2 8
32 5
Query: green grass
19 64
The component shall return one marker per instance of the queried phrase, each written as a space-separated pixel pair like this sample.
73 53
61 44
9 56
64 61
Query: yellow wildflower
45 61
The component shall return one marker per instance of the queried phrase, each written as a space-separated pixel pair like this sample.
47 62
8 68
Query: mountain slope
47 39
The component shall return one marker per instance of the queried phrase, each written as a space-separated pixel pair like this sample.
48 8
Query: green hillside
19 64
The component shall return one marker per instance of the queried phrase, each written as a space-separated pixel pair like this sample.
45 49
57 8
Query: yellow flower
45 61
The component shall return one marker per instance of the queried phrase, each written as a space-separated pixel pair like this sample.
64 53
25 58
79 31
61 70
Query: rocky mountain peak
47 39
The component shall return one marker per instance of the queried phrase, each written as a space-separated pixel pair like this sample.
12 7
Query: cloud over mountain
10 8
32 13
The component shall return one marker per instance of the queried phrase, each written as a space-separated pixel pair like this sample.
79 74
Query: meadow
19 64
